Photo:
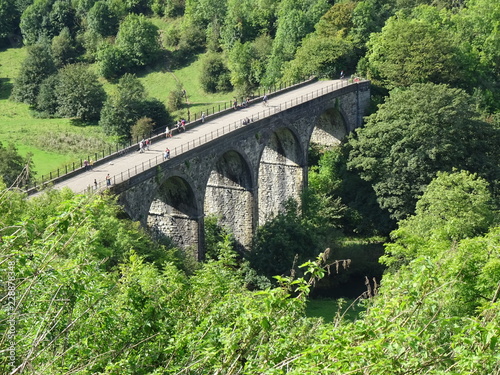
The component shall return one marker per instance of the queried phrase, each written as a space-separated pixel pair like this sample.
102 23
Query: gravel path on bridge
131 161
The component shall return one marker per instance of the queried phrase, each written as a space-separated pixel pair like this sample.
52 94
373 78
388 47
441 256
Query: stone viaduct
243 177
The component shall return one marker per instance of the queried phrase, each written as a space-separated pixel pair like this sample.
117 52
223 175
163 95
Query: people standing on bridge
148 143
141 146
341 74
235 104
264 99
108 180
95 184
168 133
85 165
203 117
166 154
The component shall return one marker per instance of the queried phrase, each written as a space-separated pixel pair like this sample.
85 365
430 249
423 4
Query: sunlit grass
55 142
328 309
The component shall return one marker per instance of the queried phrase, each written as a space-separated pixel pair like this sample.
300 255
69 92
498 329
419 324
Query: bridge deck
130 164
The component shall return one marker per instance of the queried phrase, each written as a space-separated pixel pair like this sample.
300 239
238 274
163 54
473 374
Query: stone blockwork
243 177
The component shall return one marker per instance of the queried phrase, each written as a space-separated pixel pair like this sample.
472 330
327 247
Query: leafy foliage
113 301
15 171
288 240
46 19
142 128
46 100
409 51
215 75
344 200
9 18
37 66
455 206
122 110
64 48
79 93
416 133
137 45
102 20
299 21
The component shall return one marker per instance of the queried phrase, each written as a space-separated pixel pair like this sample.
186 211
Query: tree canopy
37 66
112 300
78 93
409 51
416 133
15 170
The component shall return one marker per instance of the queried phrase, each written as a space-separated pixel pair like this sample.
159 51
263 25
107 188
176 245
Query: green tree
138 38
34 21
62 15
155 109
15 170
176 98
409 51
454 206
476 32
285 242
9 18
112 61
295 20
337 21
142 128
248 62
168 8
416 133
37 66
79 93
102 20
454 226
369 16
137 45
122 110
214 75
345 200
321 57
64 48
46 101
202 13
239 23
46 18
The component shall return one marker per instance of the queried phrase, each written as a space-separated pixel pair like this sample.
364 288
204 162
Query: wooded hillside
85 290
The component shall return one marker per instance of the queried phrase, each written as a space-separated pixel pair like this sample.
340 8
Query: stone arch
330 129
280 174
229 196
174 213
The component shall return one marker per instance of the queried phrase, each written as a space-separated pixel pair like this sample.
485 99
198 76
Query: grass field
53 142
328 309
56 142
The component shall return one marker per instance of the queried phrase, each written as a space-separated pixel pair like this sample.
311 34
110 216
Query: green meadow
56 142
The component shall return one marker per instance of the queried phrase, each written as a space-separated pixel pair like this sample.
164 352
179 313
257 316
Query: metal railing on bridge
268 111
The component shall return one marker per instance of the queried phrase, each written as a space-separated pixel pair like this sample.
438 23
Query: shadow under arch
229 196
174 213
330 128
281 173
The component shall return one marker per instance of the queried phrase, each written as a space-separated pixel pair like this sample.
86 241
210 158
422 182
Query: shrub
175 98
142 128
215 75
